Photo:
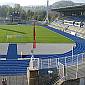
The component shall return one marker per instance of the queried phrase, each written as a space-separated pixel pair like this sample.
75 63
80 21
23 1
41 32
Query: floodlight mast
47 11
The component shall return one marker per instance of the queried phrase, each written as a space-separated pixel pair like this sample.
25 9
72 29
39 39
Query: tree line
7 11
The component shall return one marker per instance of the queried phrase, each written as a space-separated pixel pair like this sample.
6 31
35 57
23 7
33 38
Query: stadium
52 53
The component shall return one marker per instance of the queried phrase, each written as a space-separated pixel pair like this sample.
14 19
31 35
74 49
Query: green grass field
24 34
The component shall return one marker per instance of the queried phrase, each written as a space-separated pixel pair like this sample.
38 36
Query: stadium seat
11 67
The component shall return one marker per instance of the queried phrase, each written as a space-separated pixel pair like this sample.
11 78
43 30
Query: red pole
34 35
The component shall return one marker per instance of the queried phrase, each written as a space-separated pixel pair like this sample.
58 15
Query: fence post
41 63
82 58
72 53
38 62
56 62
65 69
77 68
48 62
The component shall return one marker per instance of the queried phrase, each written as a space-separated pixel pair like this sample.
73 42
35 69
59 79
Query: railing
54 62
71 67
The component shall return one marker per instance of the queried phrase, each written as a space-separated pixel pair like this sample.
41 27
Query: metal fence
71 67
54 62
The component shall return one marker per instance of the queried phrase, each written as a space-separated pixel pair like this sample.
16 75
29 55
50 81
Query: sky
34 2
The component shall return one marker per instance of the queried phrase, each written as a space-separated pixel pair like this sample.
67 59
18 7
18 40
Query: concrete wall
15 80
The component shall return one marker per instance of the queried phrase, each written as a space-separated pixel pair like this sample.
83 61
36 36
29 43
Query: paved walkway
44 48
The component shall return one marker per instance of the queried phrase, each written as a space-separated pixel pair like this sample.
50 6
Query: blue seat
13 67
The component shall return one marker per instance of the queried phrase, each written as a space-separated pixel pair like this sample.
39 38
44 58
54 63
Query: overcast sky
34 2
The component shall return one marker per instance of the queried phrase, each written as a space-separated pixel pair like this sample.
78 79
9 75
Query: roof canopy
74 8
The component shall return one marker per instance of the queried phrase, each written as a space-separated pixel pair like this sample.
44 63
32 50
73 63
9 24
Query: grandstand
71 23
74 14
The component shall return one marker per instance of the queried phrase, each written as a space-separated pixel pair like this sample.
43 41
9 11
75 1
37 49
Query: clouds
28 2
33 2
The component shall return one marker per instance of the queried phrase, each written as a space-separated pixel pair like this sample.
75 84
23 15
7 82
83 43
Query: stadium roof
71 8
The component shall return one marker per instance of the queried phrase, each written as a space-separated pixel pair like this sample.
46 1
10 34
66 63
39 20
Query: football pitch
24 34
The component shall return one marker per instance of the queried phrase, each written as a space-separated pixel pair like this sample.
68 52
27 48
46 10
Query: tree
3 11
